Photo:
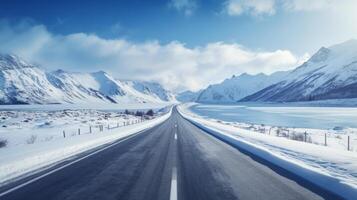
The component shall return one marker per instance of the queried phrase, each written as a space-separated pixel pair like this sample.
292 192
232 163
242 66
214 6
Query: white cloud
270 7
255 7
174 65
186 6
307 5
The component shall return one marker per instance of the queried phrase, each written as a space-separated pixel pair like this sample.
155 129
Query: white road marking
64 166
175 136
173 191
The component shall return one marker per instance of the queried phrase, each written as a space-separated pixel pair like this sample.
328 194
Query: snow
35 138
329 167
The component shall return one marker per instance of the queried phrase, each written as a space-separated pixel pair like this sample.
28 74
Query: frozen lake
289 116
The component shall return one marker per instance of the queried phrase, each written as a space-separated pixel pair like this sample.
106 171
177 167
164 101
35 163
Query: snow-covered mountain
23 83
331 73
237 87
188 96
152 89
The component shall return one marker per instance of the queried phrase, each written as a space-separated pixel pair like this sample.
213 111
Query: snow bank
331 169
18 160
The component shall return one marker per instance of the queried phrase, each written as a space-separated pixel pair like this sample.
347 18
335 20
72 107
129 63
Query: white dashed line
173 191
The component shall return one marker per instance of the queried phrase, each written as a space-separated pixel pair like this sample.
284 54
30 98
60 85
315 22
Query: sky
182 44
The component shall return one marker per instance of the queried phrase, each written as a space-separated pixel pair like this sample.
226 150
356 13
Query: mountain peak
100 73
244 74
321 55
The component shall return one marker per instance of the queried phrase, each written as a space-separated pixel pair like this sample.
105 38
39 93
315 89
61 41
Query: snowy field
330 166
96 106
34 138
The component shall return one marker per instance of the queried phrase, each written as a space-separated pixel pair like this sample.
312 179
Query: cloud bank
174 65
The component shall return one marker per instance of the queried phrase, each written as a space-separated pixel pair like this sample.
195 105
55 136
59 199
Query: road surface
174 160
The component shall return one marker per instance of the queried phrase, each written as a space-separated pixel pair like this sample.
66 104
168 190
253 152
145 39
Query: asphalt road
174 160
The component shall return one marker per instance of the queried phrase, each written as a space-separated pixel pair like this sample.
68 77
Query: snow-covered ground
331 167
89 105
328 126
35 137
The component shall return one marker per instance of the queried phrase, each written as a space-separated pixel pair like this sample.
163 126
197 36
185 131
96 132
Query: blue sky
234 36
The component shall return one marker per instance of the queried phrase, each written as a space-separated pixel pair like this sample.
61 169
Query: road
174 160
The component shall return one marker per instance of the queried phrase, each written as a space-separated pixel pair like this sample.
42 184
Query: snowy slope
331 73
237 87
92 87
23 83
188 96
151 89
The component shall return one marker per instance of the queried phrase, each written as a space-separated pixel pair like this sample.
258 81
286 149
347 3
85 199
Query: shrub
49 138
32 139
139 113
150 112
298 136
3 143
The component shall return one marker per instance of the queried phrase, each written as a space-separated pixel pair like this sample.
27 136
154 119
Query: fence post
108 126
118 125
325 139
90 129
270 130
288 134
64 134
305 136
348 143
79 131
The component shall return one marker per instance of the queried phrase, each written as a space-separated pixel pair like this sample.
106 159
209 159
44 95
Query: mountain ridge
24 83
331 73
233 89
